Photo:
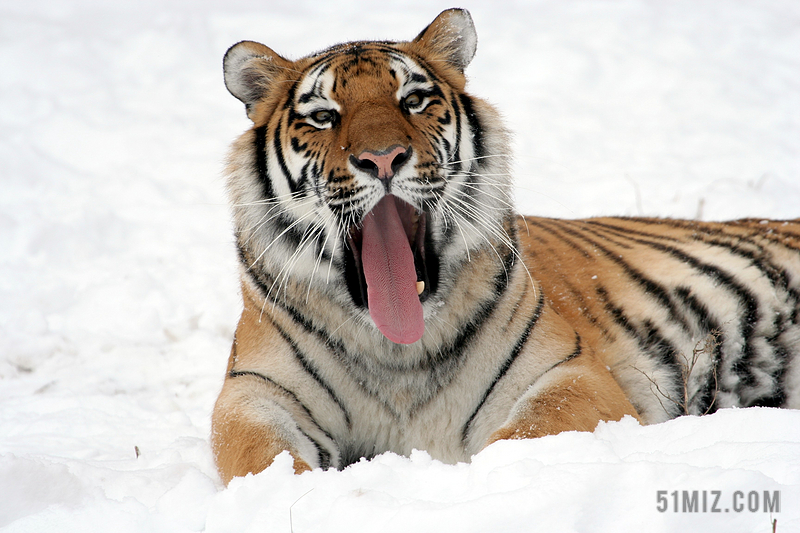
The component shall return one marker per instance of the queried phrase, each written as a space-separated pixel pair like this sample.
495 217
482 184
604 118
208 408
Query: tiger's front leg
263 408
249 429
574 396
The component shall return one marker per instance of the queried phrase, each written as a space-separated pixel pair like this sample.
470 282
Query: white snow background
118 284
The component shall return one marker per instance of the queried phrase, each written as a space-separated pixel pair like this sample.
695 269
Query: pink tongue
391 277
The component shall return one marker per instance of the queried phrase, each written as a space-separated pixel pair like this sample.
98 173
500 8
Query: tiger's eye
322 116
413 100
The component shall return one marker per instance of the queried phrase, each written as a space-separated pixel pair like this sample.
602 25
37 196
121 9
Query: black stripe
649 286
294 313
475 125
282 221
336 347
324 455
509 360
421 63
301 183
263 281
260 149
281 224
456 348
313 372
306 97
751 315
704 399
780 279
649 338
782 356
450 234
321 252
646 335
297 147
276 143
605 235
777 276
351 49
656 344
459 133
756 230
576 353
616 312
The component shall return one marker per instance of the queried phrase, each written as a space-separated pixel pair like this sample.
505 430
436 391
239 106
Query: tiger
394 300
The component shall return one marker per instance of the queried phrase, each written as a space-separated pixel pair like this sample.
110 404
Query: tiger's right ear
452 36
251 69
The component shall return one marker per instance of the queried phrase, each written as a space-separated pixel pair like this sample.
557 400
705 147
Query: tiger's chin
391 268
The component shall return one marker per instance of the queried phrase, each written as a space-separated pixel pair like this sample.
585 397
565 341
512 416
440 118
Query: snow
118 288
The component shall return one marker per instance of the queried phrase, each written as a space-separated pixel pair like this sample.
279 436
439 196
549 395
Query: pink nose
382 165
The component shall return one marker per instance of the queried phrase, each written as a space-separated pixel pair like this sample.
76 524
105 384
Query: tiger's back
690 316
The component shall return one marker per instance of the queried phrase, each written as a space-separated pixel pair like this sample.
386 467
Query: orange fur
583 395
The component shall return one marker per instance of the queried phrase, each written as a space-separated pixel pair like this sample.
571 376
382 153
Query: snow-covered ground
118 290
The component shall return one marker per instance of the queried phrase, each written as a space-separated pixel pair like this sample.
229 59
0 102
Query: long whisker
319 256
454 218
266 219
278 237
275 199
477 158
493 226
437 320
283 275
490 223
476 187
351 317
489 242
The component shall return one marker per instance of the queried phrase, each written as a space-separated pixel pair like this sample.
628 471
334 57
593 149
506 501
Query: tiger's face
368 170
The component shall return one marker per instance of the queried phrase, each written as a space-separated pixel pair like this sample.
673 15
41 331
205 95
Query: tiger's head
369 173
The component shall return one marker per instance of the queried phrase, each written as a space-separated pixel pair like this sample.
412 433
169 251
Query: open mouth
390 268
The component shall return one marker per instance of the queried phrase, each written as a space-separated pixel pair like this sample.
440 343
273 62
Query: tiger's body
393 299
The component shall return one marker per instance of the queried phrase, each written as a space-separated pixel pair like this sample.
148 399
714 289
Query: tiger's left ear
452 35
251 71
